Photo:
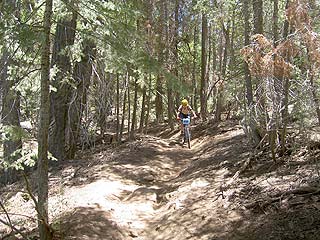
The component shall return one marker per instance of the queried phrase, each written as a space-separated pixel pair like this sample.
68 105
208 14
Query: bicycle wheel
187 136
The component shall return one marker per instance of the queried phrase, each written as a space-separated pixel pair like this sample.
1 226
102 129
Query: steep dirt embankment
154 188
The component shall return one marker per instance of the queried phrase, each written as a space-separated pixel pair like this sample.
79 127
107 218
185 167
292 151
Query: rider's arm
193 112
178 113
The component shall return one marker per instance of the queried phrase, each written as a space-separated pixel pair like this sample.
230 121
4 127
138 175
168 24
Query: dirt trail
149 189
155 189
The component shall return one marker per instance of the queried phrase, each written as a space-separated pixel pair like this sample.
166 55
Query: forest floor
156 189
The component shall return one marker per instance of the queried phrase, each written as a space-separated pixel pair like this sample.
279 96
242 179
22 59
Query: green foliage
28 158
12 133
24 158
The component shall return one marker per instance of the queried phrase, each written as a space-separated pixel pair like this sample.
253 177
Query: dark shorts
181 115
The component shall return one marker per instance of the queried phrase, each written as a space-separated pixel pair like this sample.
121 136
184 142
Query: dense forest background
74 73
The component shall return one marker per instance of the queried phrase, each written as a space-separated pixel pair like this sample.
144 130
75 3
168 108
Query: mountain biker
184 111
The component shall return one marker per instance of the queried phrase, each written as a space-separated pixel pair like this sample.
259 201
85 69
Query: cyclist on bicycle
184 111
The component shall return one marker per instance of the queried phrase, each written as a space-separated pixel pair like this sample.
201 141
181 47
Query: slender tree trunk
123 109
167 56
285 96
227 48
159 82
194 67
44 230
232 38
274 90
219 96
203 87
209 59
143 106
118 109
129 106
135 106
213 65
148 103
275 27
249 93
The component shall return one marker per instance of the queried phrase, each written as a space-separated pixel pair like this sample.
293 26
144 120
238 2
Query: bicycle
186 131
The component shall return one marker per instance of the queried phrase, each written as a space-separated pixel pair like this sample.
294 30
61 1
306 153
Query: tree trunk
250 123
123 110
143 107
223 71
64 37
82 75
274 90
159 82
44 230
174 48
135 106
203 87
285 96
275 21
262 116
129 106
148 103
257 16
118 109
194 67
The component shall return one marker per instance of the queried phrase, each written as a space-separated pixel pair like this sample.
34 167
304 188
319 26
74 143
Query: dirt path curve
150 189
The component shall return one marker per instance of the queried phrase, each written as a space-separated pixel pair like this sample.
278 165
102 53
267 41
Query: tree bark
159 82
148 104
275 21
250 123
194 66
123 110
118 109
135 108
174 48
274 90
285 95
43 224
64 37
223 69
203 87
129 106
257 16
82 75
143 107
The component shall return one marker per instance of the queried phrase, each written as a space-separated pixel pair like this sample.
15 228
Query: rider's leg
181 116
